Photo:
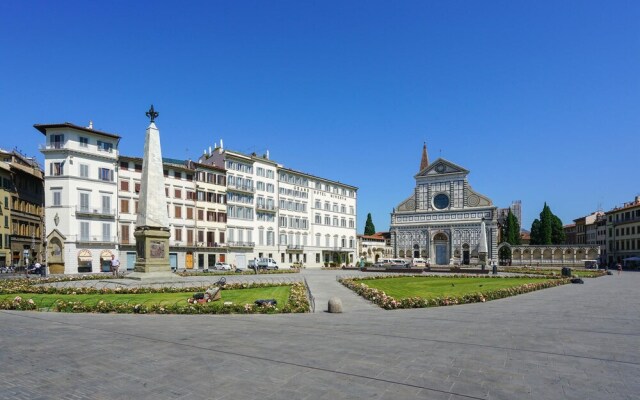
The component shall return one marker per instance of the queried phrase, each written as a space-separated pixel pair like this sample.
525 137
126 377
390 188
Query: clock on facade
441 201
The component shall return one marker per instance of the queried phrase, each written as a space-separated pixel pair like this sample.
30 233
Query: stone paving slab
569 342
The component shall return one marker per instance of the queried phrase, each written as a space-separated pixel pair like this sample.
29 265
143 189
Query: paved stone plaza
570 342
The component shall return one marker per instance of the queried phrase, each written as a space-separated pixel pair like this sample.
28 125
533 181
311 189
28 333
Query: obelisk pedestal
152 224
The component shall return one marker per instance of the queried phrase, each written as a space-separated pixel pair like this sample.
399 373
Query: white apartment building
251 204
287 215
294 228
333 226
195 197
80 197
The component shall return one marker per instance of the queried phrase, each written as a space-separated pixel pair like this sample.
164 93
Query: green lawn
431 287
582 273
237 296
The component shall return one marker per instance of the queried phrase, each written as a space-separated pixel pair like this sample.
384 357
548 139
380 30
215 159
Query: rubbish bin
566 271
43 271
495 269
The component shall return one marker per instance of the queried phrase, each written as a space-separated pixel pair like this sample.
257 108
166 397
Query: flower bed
297 302
380 298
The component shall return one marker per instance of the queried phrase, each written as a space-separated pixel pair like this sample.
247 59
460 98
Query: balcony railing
96 239
99 212
51 146
266 207
241 188
295 247
625 220
242 245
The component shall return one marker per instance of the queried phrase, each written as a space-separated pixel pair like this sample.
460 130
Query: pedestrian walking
619 268
115 265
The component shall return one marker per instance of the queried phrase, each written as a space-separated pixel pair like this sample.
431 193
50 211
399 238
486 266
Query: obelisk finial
152 114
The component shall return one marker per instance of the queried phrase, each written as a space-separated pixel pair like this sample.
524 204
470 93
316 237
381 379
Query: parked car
222 266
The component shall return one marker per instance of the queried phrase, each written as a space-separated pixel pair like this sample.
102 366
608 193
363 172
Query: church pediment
442 167
475 199
407 205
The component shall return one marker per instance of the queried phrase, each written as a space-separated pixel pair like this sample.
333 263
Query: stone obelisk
483 247
152 225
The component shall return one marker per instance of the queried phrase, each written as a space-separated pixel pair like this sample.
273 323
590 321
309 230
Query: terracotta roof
624 207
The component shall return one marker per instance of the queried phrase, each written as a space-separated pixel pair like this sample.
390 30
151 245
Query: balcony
241 188
95 212
96 239
622 221
51 146
241 245
295 248
209 244
266 208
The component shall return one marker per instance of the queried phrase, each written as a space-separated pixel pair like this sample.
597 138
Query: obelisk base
152 248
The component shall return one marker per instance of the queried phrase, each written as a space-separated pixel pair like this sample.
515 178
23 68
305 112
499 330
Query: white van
267 263
393 263
419 263
591 264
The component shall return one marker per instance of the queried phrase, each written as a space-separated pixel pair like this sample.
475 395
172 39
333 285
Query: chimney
221 146
267 154
209 151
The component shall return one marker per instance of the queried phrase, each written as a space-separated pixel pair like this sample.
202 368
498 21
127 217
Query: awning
105 255
84 256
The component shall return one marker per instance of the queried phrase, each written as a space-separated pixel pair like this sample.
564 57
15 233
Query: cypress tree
535 232
510 234
369 228
513 229
557 231
548 229
546 221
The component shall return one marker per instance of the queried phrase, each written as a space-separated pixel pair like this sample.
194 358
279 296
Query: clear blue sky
540 100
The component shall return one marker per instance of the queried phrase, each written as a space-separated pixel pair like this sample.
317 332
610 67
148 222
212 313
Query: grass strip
418 291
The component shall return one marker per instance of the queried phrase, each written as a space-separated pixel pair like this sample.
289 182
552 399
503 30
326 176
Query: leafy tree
369 228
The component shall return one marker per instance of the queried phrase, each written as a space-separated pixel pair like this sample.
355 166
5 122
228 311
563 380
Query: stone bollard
335 305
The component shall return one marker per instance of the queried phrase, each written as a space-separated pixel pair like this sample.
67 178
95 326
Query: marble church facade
441 221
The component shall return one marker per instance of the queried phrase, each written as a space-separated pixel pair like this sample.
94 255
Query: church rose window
441 201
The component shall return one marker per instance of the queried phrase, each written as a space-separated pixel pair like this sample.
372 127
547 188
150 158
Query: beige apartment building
623 233
196 205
